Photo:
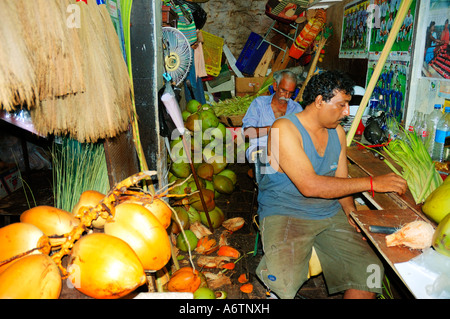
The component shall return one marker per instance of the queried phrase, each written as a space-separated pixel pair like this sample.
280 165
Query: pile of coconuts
208 141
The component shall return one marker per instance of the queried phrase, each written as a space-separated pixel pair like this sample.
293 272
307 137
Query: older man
264 110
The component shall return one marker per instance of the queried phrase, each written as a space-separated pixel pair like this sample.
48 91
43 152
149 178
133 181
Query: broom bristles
17 77
104 109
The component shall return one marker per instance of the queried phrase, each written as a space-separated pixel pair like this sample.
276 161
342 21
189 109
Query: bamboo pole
404 6
312 69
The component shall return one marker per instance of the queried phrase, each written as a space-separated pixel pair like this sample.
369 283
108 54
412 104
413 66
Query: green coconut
216 215
208 196
230 174
209 185
192 122
209 119
223 184
180 169
193 185
185 114
193 214
191 238
441 237
181 188
218 162
204 293
437 204
193 106
177 151
205 171
183 216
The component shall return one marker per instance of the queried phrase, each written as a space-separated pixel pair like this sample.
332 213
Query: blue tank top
277 195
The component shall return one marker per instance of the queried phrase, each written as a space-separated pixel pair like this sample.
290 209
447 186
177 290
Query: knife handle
382 229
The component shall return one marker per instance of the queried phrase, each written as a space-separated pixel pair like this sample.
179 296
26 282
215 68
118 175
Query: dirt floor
239 204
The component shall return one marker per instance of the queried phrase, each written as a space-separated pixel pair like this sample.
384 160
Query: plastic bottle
414 122
424 129
432 122
418 123
442 137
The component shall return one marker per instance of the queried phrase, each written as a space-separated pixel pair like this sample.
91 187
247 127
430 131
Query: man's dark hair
327 84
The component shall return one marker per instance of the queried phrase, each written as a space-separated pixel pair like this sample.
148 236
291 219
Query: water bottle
414 122
432 122
423 129
442 136
418 123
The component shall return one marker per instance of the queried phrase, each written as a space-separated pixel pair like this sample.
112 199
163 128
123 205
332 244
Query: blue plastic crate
251 56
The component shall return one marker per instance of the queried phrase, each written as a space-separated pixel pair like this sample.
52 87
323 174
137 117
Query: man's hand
389 183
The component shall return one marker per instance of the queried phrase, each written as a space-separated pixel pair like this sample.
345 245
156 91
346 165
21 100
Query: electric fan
177 54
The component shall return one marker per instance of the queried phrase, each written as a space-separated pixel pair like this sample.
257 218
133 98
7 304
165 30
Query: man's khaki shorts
347 260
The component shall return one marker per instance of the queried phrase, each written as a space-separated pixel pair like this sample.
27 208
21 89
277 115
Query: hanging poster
355 31
436 58
384 13
390 89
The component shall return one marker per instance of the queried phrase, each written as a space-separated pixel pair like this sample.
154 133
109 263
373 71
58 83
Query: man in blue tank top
305 198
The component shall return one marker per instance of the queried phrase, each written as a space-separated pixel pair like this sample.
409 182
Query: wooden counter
392 210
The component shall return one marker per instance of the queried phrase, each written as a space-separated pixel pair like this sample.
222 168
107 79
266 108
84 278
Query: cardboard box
10 181
248 85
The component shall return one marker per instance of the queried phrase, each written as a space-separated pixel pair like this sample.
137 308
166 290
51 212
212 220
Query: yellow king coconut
137 226
19 238
104 267
31 277
51 220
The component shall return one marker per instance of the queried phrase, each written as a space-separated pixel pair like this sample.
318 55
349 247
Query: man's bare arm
287 155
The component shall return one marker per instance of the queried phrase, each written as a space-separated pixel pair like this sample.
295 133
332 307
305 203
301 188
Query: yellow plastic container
212 52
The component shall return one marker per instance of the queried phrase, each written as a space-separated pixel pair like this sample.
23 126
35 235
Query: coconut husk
17 76
103 110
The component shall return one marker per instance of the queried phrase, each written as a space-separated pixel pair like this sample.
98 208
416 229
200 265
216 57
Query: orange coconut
18 238
51 220
185 279
89 199
157 207
31 277
104 267
137 226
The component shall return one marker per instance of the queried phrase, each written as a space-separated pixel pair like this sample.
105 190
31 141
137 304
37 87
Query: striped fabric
187 28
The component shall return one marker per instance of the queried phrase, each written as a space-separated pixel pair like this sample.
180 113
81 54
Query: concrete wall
234 20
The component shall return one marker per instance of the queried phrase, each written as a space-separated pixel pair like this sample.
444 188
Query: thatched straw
55 46
17 76
104 109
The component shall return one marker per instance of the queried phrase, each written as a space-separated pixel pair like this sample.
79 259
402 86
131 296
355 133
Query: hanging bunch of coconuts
105 247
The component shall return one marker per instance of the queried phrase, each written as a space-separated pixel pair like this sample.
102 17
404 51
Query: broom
118 65
98 112
55 47
17 77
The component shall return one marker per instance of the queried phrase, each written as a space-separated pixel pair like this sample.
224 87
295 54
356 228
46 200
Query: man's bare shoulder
283 123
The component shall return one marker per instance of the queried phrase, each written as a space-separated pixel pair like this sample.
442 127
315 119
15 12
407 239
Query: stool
285 12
